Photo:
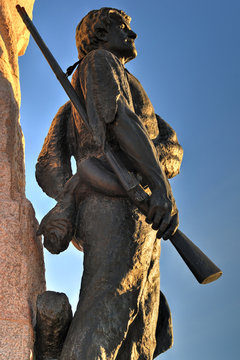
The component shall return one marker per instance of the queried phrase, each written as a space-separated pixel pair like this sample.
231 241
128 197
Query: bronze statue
118 315
118 141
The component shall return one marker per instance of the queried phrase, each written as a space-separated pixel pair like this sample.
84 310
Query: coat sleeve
53 166
103 84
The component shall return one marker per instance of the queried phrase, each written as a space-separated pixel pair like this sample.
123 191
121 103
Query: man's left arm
169 151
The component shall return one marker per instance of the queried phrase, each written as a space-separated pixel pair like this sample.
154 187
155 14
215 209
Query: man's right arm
136 144
102 77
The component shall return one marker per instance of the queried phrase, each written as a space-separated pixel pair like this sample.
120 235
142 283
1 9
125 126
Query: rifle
204 270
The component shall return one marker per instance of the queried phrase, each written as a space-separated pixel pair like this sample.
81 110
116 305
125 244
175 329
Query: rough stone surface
21 260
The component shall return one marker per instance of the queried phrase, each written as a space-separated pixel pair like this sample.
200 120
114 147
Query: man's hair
94 22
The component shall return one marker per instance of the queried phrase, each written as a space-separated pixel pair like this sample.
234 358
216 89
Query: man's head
109 29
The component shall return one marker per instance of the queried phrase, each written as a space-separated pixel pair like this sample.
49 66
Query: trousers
117 313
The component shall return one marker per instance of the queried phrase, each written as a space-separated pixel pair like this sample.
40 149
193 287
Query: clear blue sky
189 63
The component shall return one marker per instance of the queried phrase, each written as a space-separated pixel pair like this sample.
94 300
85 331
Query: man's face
120 40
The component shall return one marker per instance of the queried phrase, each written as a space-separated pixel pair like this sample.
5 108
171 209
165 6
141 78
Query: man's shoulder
101 57
132 79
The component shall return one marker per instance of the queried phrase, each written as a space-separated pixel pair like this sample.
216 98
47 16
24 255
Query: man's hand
163 213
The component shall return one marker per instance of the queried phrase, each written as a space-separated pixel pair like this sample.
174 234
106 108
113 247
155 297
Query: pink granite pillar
21 258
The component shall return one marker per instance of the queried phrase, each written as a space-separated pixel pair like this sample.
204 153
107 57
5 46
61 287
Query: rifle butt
204 270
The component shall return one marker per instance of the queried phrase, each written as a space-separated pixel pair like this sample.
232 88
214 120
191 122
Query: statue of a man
119 314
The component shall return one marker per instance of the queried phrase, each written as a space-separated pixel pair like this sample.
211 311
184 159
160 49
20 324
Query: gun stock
201 266
204 270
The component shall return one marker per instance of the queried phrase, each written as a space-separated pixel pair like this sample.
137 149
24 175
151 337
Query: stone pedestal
21 258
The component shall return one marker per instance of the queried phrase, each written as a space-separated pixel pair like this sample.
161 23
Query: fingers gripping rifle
201 266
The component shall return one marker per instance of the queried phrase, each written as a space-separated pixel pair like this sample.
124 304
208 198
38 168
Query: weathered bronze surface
119 315
54 315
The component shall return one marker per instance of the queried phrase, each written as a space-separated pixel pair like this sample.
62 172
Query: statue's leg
140 342
118 248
